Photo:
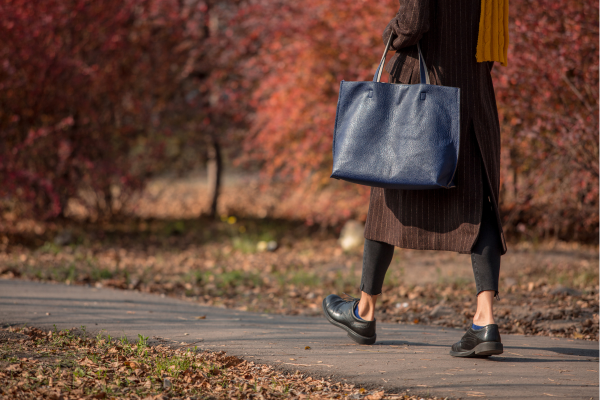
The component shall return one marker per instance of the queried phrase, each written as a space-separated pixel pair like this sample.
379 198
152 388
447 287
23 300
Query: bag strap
424 73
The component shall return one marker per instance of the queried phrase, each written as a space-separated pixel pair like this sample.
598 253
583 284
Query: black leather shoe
340 313
479 343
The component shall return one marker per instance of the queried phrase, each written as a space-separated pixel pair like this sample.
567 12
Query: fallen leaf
201 317
475 394
375 396
307 348
86 361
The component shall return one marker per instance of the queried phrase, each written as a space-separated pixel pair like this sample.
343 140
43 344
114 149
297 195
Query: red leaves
81 82
551 103
300 57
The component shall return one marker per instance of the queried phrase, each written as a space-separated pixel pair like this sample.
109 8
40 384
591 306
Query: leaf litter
69 364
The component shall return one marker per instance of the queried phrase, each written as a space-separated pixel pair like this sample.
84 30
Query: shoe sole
351 334
485 349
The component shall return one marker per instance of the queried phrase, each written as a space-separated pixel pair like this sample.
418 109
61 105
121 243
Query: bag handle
424 73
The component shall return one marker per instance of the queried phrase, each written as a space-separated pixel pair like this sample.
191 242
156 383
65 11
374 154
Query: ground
407 358
546 289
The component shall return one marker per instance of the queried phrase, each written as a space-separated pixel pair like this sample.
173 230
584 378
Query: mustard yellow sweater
492 43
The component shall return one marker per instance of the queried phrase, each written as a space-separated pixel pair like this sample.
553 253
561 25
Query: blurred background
184 146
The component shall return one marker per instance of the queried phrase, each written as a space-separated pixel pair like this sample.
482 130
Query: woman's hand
388 31
409 24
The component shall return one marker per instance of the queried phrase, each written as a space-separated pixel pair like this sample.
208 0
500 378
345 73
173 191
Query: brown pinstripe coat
443 219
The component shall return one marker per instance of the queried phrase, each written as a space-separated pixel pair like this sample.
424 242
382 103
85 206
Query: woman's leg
376 260
484 339
356 316
485 259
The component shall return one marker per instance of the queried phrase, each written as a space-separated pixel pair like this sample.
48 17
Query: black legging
485 256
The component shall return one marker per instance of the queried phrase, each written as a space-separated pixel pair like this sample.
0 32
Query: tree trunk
513 162
214 168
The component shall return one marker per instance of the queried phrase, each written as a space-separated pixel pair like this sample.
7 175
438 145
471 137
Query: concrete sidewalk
410 357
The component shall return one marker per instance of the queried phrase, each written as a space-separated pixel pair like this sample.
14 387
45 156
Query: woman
460 40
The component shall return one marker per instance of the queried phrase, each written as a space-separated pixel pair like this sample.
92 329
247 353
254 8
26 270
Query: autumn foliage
548 103
96 97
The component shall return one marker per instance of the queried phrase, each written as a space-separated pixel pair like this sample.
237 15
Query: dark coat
443 219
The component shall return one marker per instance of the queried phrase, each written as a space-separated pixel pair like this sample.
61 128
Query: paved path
411 357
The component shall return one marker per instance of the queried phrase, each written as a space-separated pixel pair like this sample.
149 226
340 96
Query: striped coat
443 219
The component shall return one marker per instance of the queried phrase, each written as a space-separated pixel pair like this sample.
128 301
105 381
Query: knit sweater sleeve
409 24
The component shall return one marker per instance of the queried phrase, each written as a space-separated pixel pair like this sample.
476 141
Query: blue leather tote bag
397 136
